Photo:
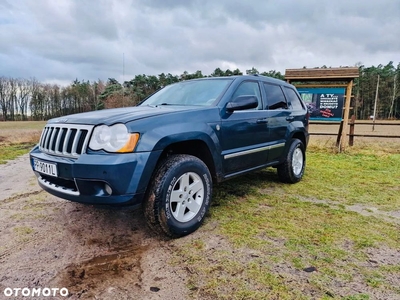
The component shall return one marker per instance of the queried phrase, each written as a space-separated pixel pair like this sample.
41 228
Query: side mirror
242 103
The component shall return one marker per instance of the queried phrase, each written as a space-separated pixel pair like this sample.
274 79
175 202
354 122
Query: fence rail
353 124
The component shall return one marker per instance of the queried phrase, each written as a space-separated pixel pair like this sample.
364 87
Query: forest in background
29 99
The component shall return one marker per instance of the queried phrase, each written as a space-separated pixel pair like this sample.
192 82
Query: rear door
279 117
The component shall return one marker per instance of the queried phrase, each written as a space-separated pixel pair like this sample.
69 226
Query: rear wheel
179 196
292 169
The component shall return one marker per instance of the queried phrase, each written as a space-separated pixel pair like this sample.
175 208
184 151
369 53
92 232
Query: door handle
261 121
290 119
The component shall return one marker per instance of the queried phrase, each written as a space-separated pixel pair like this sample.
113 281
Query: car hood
119 115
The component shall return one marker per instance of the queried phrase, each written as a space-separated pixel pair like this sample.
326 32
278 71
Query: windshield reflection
195 92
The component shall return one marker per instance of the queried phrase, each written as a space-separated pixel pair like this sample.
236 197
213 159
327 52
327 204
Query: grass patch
10 152
23 231
352 178
272 233
17 138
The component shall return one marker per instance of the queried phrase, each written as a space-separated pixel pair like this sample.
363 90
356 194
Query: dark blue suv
167 152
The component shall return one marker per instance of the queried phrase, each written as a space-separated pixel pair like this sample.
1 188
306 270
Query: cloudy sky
60 40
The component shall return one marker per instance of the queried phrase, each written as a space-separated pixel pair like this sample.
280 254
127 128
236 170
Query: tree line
23 99
364 91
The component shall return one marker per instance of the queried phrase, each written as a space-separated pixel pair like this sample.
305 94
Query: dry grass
17 138
20 132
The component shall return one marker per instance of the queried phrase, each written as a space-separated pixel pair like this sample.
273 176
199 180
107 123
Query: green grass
10 152
23 230
293 227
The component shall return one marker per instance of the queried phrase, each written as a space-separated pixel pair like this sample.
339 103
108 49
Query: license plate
45 168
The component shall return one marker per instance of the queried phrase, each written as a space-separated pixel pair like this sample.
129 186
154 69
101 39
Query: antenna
123 79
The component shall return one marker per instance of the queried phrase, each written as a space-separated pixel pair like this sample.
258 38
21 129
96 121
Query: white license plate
45 168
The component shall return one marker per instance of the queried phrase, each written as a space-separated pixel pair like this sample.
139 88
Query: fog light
108 189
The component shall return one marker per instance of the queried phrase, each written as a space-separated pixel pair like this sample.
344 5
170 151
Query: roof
345 73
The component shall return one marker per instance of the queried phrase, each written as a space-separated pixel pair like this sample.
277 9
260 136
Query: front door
245 134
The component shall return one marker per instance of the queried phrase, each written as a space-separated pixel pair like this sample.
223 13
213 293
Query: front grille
68 140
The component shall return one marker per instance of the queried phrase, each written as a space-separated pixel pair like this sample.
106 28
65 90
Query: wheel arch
301 136
197 148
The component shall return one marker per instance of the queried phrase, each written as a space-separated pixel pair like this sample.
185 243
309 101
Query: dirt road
94 253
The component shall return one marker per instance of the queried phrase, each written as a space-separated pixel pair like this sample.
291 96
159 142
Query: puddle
95 276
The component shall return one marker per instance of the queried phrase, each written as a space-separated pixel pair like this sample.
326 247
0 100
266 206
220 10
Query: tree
3 98
112 95
252 71
23 93
47 101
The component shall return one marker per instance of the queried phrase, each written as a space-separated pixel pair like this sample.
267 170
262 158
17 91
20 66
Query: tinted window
275 97
294 99
249 88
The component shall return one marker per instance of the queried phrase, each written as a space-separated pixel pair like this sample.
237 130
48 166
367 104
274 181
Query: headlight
114 138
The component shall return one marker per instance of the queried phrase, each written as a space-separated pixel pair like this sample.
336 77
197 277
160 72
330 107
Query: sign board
324 103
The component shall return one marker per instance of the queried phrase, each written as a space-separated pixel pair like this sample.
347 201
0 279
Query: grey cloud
68 39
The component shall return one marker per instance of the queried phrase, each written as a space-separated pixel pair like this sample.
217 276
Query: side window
275 97
249 88
294 99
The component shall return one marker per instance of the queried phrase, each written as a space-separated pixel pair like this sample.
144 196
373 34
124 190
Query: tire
179 196
292 169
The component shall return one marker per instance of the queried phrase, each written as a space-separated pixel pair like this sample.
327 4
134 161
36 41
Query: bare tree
23 94
3 98
10 90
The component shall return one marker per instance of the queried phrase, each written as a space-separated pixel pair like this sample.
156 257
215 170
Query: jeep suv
167 152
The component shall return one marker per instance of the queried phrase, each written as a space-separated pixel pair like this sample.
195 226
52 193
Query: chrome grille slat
58 141
67 136
48 135
53 142
86 141
42 136
75 143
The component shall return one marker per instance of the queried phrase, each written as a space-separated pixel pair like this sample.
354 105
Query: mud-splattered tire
292 169
179 196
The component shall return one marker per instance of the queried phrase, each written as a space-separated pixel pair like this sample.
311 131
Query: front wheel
179 196
292 169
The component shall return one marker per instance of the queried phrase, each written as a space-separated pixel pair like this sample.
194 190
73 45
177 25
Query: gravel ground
95 253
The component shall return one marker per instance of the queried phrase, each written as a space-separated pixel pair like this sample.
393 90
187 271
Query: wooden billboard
328 77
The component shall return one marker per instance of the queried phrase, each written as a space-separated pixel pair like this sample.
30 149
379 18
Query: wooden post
351 132
339 134
376 100
346 115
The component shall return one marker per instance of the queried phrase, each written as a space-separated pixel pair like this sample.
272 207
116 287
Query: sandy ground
95 253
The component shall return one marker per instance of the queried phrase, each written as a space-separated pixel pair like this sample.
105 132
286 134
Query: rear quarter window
294 99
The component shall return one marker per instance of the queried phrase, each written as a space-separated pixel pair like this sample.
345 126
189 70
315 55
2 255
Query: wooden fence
352 129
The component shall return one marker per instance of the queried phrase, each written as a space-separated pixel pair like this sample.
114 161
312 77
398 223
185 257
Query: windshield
194 92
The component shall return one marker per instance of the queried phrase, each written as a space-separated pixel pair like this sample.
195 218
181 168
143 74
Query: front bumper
98 178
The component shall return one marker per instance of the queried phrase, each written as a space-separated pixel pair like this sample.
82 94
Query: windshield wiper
165 103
